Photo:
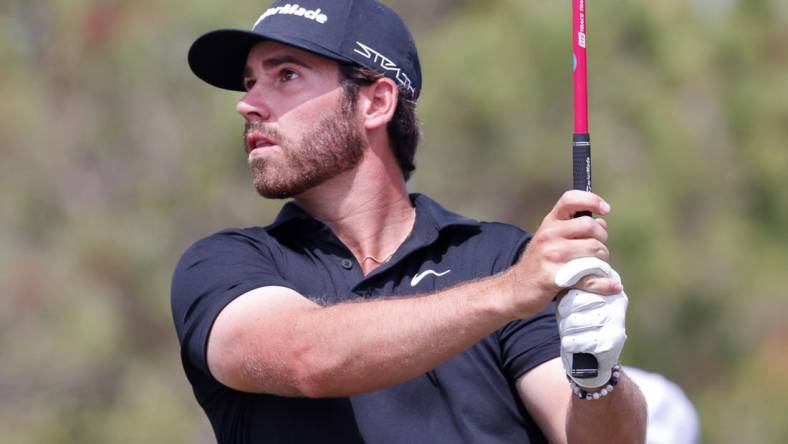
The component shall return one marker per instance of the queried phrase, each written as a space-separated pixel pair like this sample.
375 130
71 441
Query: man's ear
378 103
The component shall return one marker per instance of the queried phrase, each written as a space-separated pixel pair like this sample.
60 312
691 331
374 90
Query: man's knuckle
548 234
553 254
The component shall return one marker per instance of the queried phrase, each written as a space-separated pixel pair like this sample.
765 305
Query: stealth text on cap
386 64
288 9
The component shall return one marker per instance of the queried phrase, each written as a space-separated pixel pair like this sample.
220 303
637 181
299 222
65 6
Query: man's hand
560 239
590 323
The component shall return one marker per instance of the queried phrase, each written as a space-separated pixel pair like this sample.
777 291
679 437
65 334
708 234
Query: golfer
363 313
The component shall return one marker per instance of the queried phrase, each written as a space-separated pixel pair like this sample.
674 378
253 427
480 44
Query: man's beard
334 146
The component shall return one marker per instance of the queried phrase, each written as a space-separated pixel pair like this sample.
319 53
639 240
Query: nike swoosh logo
416 279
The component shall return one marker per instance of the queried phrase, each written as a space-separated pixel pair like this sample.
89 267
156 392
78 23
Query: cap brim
219 57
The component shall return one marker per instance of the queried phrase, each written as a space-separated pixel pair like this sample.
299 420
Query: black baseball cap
361 32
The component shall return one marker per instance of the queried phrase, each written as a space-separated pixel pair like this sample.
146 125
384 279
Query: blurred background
115 158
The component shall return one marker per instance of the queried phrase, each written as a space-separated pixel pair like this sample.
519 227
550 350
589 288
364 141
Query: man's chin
271 185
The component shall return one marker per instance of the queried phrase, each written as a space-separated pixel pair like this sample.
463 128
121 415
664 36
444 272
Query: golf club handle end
584 365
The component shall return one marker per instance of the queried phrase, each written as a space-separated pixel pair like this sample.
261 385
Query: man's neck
367 208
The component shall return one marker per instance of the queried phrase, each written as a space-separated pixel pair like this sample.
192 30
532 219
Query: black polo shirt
469 399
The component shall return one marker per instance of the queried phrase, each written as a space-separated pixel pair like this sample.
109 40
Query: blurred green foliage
115 158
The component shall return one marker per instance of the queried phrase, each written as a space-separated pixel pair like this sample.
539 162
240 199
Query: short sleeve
210 274
526 343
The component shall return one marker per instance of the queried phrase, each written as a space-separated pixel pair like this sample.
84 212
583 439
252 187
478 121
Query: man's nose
253 108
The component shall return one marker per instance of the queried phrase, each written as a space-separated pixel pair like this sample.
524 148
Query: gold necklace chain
376 260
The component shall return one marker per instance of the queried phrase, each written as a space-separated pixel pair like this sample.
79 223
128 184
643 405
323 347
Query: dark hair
403 130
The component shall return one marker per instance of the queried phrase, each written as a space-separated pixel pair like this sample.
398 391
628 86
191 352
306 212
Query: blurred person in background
364 313
672 419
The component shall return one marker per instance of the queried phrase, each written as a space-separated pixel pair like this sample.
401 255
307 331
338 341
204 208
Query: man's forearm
354 347
619 417
358 347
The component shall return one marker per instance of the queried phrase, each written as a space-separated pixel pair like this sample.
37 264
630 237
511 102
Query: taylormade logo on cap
295 9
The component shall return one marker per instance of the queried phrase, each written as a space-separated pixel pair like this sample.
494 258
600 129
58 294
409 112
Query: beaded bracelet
611 384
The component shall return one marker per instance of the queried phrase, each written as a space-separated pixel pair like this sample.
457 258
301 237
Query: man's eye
286 75
248 84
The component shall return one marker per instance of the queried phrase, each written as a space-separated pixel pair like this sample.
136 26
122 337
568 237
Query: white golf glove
588 322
